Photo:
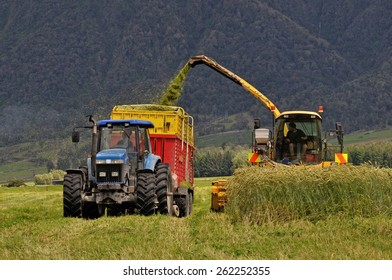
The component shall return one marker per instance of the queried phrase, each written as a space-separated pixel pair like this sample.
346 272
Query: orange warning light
320 109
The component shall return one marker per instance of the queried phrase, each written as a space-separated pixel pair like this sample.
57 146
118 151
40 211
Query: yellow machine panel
219 198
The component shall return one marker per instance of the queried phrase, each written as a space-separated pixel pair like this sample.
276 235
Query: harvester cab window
299 140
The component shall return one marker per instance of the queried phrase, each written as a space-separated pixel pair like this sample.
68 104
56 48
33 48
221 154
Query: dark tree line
222 162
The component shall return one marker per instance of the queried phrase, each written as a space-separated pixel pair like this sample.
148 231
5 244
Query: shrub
46 179
57 174
43 179
15 183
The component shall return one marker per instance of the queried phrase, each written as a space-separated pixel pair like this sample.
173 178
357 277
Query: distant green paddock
20 169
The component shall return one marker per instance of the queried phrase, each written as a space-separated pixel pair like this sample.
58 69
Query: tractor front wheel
72 198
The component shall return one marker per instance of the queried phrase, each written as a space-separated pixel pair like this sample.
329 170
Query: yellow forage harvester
296 138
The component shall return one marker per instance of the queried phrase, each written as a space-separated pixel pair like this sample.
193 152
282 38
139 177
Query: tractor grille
109 173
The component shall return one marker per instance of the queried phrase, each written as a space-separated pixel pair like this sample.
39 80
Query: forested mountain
62 60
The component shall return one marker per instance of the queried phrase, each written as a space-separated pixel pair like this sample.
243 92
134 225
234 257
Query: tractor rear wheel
72 198
146 193
164 189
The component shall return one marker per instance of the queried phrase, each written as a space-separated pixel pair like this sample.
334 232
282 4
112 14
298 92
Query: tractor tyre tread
146 193
72 199
163 185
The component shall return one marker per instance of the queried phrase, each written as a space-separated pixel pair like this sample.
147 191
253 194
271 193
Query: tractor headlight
115 174
109 161
102 174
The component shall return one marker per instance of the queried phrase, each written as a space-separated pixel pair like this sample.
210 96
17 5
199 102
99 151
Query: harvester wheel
146 193
164 189
72 199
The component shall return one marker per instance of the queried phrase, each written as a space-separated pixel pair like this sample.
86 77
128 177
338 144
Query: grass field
32 227
367 136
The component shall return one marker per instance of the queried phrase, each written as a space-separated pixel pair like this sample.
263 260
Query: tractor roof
141 123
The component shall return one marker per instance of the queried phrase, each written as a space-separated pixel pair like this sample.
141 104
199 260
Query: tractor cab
131 135
123 147
298 138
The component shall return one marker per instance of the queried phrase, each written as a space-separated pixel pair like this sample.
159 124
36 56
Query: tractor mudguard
76 171
150 161
91 178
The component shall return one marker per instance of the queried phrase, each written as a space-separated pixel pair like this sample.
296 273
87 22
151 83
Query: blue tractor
121 175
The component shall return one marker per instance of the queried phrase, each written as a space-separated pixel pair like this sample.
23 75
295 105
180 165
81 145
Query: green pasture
32 227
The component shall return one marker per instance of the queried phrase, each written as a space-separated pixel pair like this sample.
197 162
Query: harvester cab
298 138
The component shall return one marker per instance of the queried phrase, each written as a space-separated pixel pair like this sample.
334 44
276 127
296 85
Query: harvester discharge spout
202 59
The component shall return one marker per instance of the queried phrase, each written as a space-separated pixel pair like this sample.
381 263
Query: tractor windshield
298 139
117 137
134 139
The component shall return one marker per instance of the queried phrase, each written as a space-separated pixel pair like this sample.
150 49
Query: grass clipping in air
261 195
173 92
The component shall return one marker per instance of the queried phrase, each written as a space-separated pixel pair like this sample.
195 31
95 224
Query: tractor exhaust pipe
94 145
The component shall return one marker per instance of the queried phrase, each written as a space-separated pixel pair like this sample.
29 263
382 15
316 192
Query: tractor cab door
143 147
298 138
143 141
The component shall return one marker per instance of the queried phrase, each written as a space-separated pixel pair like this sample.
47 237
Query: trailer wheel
183 205
146 193
164 189
190 202
72 198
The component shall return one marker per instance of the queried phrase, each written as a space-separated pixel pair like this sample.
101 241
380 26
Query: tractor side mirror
256 123
75 137
339 132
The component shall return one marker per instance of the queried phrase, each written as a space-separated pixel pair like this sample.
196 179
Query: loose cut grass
173 92
261 195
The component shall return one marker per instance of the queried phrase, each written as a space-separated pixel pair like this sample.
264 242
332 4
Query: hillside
60 61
